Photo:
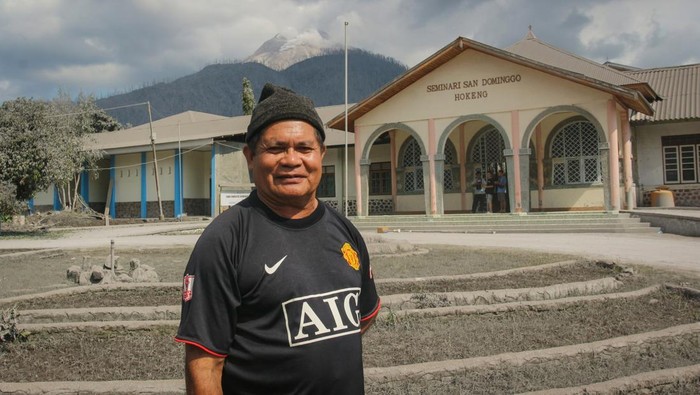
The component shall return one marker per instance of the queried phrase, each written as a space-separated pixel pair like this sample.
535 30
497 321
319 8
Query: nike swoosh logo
271 270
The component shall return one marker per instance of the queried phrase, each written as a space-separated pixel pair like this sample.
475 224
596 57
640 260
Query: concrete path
662 250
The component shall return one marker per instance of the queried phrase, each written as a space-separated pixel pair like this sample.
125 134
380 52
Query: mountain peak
280 52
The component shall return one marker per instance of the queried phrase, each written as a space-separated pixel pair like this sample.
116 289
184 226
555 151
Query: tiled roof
679 88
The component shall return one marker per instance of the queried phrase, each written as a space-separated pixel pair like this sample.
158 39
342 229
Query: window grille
411 166
451 168
380 178
574 152
487 151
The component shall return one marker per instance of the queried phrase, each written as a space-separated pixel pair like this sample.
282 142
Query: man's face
287 163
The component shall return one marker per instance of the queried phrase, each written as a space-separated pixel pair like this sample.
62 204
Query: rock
86 263
134 264
73 273
142 275
109 278
84 278
124 278
96 274
108 262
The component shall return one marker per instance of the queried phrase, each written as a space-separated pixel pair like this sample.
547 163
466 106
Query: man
501 190
278 289
479 200
490 191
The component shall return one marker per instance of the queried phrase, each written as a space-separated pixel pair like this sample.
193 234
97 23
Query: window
574 152
380 178
487 152
327 186
681 159
411 166
451 172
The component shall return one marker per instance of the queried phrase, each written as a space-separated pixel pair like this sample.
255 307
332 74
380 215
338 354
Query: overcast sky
109 46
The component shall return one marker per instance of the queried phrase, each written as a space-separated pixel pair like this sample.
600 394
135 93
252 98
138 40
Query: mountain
216 89
278 53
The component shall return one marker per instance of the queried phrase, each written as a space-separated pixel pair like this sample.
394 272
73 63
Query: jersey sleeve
210 294
369 300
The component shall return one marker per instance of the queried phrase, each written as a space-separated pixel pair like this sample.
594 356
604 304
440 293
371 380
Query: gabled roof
193 127
679 86
631 96
532 48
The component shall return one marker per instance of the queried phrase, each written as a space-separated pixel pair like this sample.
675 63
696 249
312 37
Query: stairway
549 222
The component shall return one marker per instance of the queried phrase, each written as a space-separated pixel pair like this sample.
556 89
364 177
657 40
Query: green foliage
9 332
247 97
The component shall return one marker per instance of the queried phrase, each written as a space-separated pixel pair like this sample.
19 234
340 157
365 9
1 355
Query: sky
103 47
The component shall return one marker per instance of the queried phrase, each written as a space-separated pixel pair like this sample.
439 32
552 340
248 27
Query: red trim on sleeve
208 351
374 313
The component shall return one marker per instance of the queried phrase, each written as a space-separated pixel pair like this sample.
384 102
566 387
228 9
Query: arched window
487 151
411 166
451 172
574 153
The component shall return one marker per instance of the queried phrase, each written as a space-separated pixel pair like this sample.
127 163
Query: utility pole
155 162
346 121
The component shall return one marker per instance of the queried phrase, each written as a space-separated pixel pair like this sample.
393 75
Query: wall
570 198
127 178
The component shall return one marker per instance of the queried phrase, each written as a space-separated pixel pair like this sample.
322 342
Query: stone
108 262
124 278
84 278
109 278
86 264
73 273
96 274
142 275
134 264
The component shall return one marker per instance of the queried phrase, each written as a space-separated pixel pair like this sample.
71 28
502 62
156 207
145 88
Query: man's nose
291 157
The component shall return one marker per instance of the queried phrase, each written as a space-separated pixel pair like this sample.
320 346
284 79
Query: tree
247 97
43 143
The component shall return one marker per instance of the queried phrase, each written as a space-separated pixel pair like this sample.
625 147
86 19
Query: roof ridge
590 61
682 66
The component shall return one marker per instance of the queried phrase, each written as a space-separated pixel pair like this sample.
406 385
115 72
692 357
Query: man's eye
304 150
275 150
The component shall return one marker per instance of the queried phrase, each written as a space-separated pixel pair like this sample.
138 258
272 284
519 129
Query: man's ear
248 153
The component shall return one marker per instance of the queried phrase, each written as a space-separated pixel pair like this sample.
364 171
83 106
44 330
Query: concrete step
510 223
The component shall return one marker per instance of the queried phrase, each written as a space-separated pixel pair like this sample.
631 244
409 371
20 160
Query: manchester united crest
187 286
350 256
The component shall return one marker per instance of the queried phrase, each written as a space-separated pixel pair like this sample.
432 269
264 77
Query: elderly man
278 289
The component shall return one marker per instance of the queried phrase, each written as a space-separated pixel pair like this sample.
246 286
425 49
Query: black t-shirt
281 299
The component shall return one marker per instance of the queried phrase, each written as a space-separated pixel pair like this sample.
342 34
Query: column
462 168
85 186
394 158
514 182
113 181
212 184
432 151
439 166
425 160
144 187
364 187
627 161
539 146
613 157
524 159
603 149
177 203
359 203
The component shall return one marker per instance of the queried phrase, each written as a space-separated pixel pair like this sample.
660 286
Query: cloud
108 46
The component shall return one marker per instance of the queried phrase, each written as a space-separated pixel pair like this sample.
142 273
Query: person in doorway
501 190
490 190
479 201
278 289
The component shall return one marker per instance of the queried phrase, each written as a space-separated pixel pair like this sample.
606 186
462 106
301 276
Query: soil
152 353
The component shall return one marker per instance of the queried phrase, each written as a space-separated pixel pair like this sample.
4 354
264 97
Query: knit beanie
278 104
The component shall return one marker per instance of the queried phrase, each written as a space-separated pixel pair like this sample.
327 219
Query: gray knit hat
278 104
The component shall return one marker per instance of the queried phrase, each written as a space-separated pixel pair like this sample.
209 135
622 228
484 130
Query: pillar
613 157
363 190
539 146
361 209
514 181
432 151
627 161
394 159
425 160
144 187
524 159
462 167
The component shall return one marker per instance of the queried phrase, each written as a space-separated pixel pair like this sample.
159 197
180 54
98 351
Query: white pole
179 154
346 119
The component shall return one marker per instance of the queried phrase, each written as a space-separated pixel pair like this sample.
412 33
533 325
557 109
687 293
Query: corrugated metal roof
532 48
679 88
194 126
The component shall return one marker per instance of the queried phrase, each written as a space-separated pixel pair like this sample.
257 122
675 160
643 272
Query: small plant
8 326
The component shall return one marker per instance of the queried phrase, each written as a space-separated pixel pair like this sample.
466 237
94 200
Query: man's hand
202 371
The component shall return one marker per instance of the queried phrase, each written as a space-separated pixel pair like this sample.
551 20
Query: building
570 134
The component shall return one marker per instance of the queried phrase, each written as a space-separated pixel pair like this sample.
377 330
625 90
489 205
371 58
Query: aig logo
320 317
